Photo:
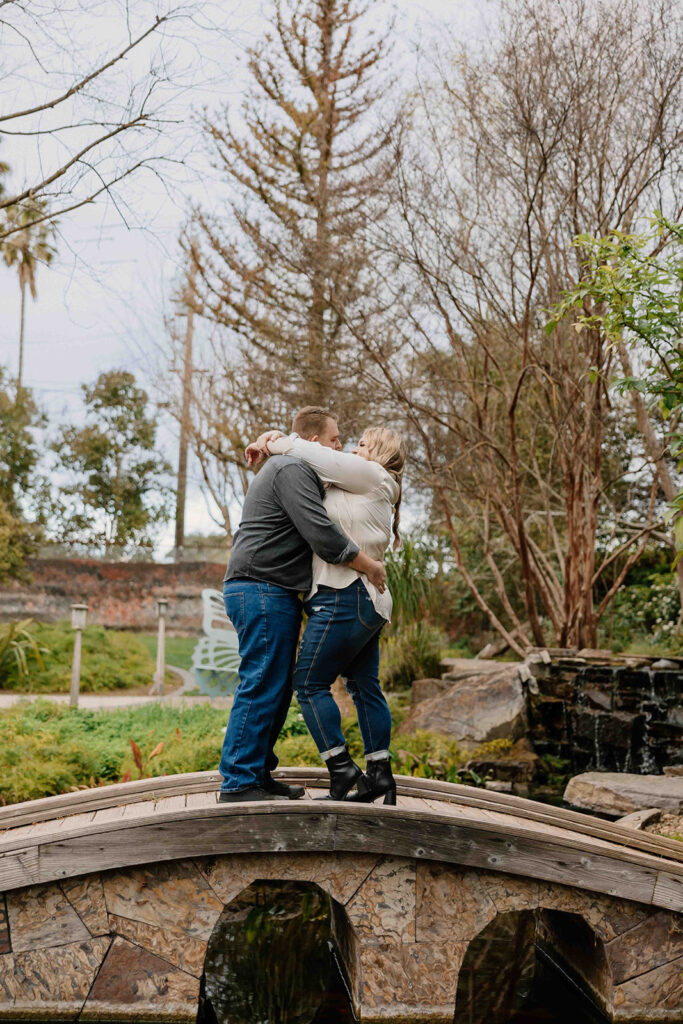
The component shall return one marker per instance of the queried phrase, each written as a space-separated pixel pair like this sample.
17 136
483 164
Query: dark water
511 976
269 961
272 960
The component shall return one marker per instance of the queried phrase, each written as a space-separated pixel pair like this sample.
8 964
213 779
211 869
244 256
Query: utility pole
181 491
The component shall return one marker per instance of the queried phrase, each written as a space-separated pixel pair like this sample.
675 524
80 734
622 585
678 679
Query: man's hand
374 570
377 575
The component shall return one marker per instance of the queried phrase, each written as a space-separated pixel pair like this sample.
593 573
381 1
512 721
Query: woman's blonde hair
388 448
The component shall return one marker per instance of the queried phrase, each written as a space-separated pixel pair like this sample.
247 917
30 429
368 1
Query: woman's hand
257 450
265 437
254 455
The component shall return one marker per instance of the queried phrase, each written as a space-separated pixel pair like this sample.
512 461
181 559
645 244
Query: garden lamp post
162 608
79 616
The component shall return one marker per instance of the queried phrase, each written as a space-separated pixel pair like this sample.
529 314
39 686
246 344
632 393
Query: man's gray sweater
282 520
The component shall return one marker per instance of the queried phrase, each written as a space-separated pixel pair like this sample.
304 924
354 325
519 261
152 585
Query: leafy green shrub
410 578
493 749
111 660
423 754
411 648
294 722
427 755
554 772
300 751
185 751
50 748
142 763
465 647
412 652
18 541
647 611
19 648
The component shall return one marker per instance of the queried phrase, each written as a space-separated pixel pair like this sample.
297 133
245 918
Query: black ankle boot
377 781
344 773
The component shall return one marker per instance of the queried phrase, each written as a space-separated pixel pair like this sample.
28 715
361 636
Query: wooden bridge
109 896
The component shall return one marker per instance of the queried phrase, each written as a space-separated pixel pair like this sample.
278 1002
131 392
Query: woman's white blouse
360 498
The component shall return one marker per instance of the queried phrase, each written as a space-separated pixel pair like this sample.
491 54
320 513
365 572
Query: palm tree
29 245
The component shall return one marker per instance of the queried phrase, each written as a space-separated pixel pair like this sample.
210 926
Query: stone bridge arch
643 946
131 943
270 944
108 896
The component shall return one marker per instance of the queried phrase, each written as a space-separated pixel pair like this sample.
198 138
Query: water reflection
269 960
497 973
508 976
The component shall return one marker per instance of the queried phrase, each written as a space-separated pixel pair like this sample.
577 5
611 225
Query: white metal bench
215 659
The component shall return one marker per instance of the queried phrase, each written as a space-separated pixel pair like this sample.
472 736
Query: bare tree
87 86
571 121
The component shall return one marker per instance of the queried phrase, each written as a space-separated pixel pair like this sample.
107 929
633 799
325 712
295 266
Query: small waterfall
648 765
597 750
607 713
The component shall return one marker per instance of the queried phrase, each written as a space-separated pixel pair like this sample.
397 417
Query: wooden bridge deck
179 816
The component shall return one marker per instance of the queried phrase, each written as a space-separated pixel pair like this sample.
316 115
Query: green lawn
111 660
178 648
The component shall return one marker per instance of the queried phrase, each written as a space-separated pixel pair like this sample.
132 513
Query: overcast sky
100 304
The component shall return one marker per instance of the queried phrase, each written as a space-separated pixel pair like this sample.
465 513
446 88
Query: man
270 566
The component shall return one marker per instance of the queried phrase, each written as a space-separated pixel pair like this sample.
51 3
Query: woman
346 612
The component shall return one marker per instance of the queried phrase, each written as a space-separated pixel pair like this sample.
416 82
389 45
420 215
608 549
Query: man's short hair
312 420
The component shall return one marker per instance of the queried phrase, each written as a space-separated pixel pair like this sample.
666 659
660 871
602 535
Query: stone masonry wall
121 595
129 945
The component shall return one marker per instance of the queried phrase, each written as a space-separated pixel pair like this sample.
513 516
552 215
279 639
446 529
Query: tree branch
79 86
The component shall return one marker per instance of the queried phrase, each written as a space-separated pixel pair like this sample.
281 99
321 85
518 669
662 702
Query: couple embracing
316 522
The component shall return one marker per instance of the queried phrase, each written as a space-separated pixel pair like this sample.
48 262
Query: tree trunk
185 419
656 453
582 458
318 357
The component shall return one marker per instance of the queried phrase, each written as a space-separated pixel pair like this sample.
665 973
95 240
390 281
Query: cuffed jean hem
327 754
378 755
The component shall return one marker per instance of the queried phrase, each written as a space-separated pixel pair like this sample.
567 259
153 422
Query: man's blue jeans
342 638
267 619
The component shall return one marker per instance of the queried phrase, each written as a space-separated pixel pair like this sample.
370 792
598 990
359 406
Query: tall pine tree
291 265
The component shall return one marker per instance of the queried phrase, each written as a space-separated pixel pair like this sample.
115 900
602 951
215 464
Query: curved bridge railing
175 817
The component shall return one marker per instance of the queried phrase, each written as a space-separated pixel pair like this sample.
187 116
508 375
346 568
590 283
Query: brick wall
119 594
